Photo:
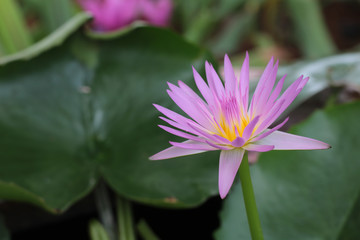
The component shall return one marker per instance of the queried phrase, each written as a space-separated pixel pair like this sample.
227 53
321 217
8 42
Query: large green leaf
126 86
83 110
305 194
44 144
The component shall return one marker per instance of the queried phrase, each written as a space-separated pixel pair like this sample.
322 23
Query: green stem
97 231
103 205
125 219
249 199
145 231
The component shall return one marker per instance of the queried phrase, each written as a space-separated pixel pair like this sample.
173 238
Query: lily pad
83 111
305 194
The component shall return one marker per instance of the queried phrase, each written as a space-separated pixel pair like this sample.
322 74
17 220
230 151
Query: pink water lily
226 120
111 15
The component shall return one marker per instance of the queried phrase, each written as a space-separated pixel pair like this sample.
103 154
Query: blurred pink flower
111 15
226 119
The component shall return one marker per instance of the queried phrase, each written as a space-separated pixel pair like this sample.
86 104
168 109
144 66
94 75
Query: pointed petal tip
155 157
179 82
321 146
169 92
157 106
325 145
170 84
222 195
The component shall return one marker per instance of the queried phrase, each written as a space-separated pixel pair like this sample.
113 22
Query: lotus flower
111 15
226 120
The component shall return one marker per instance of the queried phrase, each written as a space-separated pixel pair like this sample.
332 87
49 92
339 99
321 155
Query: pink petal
213 137
230 79
191 109
258 148
172 115
228 166
270 131
277 90
193 145
287 98
203 88
214 81
244 83
191 93
175 124
238 142
266 90
219 147
250 128
177 120
287 141
173 152
186 92
269 119
263 78
181 134
292 95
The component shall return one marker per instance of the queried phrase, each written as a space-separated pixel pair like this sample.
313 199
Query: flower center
232 121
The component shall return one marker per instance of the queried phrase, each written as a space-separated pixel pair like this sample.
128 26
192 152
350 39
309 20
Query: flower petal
244 83
190 108
287 141
238 142
203 88
275 94
193 145
262 80
219 147
266 90
214 81
181 134
213 137
258 148
230 79
228 166
173 152
250 128
173 115
270 131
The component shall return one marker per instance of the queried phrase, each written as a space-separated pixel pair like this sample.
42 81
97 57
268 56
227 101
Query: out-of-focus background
289 30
